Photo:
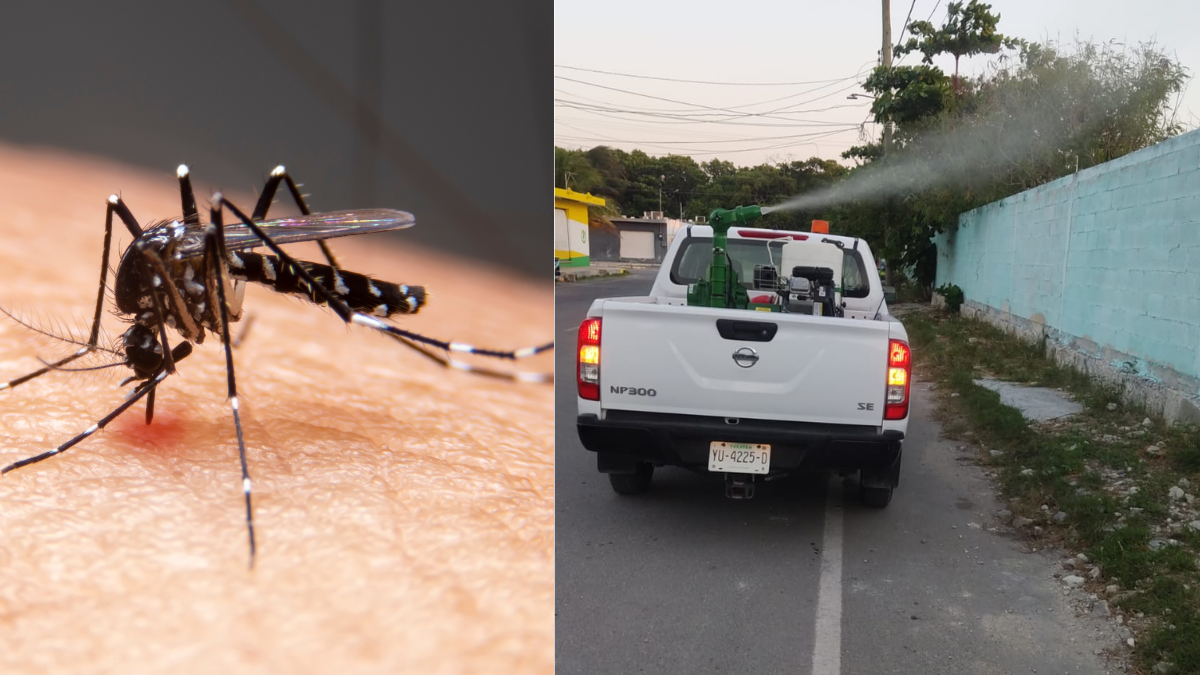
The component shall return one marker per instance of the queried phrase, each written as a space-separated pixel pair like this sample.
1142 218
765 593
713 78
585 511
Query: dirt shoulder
1111 487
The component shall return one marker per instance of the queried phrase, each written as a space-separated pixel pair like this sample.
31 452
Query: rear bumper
624 438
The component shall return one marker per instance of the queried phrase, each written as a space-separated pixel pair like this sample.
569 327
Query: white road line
827 640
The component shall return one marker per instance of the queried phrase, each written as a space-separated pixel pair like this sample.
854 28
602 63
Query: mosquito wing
303 228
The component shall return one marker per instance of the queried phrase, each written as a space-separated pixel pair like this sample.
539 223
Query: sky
793 63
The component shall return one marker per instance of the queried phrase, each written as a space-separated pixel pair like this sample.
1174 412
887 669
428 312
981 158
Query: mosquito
190 277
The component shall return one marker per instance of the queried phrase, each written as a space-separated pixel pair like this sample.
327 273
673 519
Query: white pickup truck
749 394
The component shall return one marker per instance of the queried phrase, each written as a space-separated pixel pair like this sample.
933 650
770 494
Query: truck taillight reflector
899 372
587 364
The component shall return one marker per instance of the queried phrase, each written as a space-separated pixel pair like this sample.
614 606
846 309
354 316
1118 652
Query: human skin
404 512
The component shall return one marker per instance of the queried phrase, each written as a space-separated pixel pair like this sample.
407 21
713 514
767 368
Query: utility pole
885 60
660 183
885 56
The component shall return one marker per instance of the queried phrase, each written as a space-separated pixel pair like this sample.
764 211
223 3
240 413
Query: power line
633 129
910 9
795 124
707 151
588 107
661 112
906 20
935 6
726 116
727 84
684 116
723 140
728 112
734 109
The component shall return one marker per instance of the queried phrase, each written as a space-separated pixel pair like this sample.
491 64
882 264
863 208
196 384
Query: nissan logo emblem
745 357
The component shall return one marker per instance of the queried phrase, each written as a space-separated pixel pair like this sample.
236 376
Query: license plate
739 457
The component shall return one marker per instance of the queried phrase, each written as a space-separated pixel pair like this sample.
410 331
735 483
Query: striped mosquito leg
186 196
453 347
42 371
478 370
138 393
247 324
115 205
214 256
278 174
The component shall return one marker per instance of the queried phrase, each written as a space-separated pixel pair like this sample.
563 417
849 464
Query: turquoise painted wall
1109 256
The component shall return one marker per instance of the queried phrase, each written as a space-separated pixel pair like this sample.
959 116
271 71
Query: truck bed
797 368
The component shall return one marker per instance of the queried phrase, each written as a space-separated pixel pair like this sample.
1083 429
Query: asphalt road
801 579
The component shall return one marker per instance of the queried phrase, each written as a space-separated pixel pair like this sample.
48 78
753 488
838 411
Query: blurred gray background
440 108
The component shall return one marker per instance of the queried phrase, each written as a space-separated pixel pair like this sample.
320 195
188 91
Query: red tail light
587 360
899 373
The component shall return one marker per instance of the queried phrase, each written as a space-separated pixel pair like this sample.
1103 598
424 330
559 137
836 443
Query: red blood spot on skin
164 433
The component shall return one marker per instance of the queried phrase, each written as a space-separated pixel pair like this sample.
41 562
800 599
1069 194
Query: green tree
612 173
1033 120
573 170
907 94
683 180
968 30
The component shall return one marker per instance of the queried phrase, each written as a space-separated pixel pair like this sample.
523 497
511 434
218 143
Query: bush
953 295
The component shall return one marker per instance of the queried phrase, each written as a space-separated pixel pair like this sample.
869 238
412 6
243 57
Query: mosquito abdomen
360 292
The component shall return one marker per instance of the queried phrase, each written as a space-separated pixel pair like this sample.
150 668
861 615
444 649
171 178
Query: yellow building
571 226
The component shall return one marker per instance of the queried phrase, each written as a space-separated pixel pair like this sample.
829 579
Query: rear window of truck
695 256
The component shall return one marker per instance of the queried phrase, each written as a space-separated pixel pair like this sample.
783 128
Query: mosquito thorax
185 295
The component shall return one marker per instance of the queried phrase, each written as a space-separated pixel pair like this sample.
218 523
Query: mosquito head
143 351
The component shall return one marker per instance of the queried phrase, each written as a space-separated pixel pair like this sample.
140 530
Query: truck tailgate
674 359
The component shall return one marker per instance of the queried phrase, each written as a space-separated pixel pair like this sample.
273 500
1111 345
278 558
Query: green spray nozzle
723 219
720 286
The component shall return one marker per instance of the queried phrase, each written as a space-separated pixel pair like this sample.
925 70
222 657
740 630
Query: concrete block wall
1104 265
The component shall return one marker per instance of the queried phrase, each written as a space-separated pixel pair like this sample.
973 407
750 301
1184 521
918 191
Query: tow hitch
739 486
